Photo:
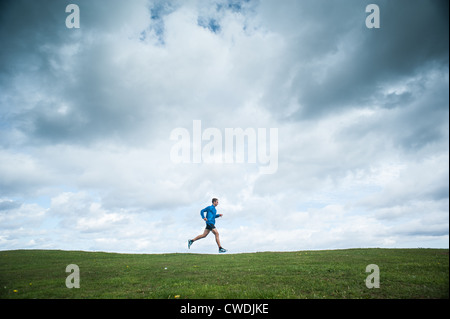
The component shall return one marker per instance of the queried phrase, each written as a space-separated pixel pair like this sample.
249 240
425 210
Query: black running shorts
210 226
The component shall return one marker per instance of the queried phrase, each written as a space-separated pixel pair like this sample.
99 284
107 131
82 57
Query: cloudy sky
86 117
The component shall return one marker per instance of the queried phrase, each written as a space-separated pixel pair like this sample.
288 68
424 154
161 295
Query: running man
210 219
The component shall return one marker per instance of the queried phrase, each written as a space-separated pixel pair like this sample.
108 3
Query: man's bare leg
216 233
205 233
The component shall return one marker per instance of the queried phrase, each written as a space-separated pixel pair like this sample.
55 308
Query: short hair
214 200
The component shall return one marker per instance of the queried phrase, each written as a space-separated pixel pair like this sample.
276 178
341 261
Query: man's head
215 201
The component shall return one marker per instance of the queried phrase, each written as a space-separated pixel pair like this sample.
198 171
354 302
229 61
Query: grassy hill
404 273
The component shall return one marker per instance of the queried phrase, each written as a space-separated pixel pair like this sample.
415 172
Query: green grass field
404 273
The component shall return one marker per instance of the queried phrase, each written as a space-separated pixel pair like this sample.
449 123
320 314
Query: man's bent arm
202 212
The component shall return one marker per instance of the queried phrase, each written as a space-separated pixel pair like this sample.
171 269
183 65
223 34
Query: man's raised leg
205 233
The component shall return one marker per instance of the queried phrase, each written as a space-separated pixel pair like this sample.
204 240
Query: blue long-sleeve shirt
211 214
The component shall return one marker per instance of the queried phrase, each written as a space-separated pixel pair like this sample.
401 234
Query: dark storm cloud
24 25
322 37
9 204
409 120
60 84
331 38
31 33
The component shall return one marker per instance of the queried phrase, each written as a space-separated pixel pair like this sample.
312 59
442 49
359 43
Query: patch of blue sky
211 20
158 10
233 5
209 23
